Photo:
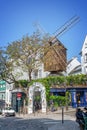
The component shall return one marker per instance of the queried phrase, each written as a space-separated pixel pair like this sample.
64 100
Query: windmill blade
38 27
67 25
75 19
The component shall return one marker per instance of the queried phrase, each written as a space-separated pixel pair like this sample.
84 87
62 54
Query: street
13 123
50 121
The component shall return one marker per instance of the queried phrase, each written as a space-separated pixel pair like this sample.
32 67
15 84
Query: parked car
8 112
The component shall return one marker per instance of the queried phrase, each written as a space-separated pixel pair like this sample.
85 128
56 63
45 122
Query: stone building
84 57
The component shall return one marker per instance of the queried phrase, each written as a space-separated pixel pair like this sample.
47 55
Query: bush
58 100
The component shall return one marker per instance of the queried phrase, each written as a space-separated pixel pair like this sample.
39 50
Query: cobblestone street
39 121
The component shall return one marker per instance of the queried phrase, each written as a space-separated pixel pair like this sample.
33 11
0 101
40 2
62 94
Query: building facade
5 94
84 57
73 66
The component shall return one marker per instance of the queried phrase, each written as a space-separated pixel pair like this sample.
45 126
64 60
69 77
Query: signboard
2 82
18 98
2 85
19 95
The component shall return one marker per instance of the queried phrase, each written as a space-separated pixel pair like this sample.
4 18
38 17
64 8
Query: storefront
17 101
78 95
2 94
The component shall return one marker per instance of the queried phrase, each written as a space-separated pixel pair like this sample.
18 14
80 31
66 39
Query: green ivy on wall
60 81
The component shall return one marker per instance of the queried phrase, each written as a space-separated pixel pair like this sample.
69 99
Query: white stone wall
84 57
19 73
40 72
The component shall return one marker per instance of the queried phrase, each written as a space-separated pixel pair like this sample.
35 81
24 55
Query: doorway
80 98
37 101
37 98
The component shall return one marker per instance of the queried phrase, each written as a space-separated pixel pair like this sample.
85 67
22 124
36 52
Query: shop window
80 97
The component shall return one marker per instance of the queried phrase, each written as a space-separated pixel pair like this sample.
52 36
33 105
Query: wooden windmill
56 57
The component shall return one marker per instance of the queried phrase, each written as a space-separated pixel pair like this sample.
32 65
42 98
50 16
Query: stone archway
41 88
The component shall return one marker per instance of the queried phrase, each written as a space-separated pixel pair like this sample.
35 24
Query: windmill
55 56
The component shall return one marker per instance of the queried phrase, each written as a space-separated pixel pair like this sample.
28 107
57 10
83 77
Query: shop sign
19 95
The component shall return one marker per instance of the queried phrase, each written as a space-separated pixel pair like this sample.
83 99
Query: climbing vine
53 81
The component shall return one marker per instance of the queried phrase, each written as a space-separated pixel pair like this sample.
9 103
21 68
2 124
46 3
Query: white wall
20 74
72 65
84 57
40 72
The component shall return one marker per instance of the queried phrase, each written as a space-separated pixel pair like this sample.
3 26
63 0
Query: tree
1 62
5 67
25 54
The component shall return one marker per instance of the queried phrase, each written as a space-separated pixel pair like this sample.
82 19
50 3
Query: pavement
61 119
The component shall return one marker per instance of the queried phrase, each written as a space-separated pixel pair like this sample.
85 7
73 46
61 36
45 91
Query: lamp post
62 114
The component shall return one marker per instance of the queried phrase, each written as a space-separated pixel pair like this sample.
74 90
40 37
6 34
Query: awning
57 90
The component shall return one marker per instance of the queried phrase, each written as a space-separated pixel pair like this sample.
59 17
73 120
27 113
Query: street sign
19 95
19 98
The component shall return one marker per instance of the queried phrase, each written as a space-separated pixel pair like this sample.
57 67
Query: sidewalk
70 111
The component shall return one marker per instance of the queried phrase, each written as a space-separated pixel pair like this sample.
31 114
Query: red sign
19 95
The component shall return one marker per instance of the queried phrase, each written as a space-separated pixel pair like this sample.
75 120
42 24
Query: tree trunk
29 74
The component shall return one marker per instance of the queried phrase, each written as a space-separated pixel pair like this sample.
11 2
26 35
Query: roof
76 69
55 40
71 60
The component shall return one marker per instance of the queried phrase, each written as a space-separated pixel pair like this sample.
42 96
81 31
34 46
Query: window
36 74
40 73
86 57
85 45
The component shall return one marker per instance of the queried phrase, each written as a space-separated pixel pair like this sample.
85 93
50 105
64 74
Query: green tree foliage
58 100
6 67
24 54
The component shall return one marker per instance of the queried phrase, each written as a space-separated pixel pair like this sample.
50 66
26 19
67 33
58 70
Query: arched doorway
37 87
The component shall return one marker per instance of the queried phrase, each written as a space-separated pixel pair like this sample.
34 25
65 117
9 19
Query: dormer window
85 45
86 57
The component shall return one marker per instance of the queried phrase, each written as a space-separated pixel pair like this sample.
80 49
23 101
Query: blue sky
18 16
